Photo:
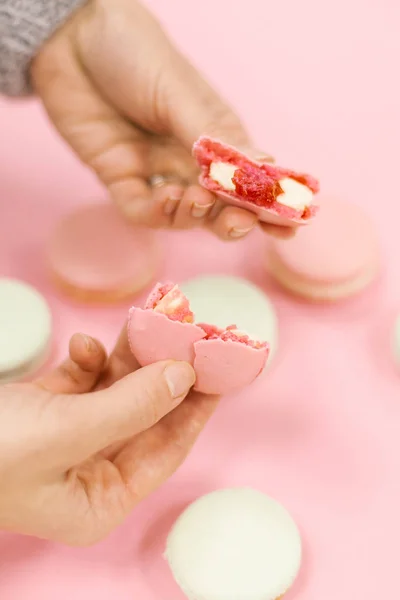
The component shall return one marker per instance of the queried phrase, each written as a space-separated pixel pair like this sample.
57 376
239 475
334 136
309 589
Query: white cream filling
170 302
295 195
240 333
223 174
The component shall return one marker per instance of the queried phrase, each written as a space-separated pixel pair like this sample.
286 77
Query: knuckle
112 160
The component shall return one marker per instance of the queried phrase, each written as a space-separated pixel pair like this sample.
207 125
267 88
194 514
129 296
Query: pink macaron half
276 195
224 360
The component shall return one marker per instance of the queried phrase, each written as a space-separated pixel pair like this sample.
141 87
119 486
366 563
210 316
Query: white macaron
234 544
25 330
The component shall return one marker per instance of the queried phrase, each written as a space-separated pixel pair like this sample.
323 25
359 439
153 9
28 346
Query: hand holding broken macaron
143 421
132 107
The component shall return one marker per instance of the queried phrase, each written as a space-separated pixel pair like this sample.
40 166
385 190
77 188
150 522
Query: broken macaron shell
223 360
276 195
227 358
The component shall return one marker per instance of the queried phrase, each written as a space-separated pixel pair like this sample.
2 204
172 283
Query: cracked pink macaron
276 195
224 360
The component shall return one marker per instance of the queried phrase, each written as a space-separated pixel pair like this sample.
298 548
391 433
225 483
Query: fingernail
171 204
265 158
238 233
180 378
90 344
200 210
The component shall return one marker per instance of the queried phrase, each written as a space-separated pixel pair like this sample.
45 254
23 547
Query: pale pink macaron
223 360
95 256
334 259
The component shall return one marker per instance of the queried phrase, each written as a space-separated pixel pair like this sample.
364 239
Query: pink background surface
317 83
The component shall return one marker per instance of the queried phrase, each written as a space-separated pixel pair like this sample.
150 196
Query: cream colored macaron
227 300
234 544
25 330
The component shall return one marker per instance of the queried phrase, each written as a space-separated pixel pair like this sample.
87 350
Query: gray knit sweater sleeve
24 26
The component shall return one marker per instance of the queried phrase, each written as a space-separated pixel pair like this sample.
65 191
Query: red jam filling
254 185
230 334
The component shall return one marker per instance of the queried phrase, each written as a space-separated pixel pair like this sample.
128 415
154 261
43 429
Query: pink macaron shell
265 215
153 337
341 245
223 366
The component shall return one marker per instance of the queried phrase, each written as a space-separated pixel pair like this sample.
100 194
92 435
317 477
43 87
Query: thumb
133 404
